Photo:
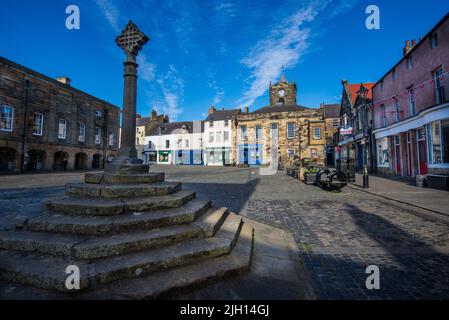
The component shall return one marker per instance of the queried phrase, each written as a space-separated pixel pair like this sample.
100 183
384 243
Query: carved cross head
131 40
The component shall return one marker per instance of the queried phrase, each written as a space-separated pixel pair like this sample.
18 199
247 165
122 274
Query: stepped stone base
132 236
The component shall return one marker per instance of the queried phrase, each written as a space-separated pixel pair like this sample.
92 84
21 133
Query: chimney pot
246 110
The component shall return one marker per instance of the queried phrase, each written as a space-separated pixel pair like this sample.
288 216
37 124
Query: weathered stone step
121 191
212 220
51 243
158 285
48 271
40 270
100 225
124 243
143 263
108 207
230 229
97 178
183 278
96 247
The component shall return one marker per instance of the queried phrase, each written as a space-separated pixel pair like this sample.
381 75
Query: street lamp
363 93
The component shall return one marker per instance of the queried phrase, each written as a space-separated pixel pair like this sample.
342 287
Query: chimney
409 46
212 110
153 115
222 109
64 80
246 110
138 116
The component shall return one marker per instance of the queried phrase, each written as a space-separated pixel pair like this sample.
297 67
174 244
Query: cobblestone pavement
338 234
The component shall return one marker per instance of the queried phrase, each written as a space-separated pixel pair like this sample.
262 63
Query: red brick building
411 109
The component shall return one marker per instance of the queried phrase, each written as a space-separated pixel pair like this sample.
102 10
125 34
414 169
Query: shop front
165 157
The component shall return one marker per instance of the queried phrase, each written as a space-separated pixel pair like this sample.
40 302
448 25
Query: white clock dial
281 93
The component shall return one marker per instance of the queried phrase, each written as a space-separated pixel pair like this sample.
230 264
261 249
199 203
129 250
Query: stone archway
36 160
81 161
97 162
60 161
7 159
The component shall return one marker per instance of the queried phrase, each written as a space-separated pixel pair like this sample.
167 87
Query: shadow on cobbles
409 268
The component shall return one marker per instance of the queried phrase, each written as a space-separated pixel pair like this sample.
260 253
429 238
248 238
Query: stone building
143 126
297 130
46 124
331 114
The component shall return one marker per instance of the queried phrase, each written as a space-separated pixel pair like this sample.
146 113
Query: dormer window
211 124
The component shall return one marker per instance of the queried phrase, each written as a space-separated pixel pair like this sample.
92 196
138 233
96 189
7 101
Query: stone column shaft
128 135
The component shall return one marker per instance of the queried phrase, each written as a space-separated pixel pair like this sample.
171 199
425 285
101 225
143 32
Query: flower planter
309 178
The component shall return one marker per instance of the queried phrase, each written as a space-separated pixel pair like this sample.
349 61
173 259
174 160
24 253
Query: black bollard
365 177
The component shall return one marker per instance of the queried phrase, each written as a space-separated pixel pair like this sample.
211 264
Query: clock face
281 93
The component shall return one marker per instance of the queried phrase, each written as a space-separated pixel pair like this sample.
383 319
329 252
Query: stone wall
303 143
29 92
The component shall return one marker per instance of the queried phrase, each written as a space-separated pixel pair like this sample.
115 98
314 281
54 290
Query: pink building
411 109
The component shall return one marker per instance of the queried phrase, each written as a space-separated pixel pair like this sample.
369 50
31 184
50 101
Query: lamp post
363 92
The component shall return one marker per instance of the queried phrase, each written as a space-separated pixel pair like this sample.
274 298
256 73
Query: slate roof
168 128
222 115
279 108
332 111
142 121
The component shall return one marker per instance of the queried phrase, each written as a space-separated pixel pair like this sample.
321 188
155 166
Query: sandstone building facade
296 130
46 124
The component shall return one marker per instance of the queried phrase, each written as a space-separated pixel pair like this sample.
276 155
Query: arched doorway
81 161
96 161
60 160
36 160
7 158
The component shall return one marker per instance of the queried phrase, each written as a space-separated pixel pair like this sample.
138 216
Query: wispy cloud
219 92
284 46
173 91
146 69
110 12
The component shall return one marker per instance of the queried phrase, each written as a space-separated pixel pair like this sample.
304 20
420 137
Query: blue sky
214 52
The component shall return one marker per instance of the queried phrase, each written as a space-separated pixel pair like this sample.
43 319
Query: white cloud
219 93
226 8
284 46
173 91
110 12
146 69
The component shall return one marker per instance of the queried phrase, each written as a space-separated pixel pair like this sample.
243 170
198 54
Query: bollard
365 177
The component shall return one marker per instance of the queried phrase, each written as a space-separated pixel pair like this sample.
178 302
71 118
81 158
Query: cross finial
131 40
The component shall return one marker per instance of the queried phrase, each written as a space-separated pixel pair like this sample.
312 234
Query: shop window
382 152
438 141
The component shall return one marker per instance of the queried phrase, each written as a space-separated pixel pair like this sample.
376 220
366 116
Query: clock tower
283 92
